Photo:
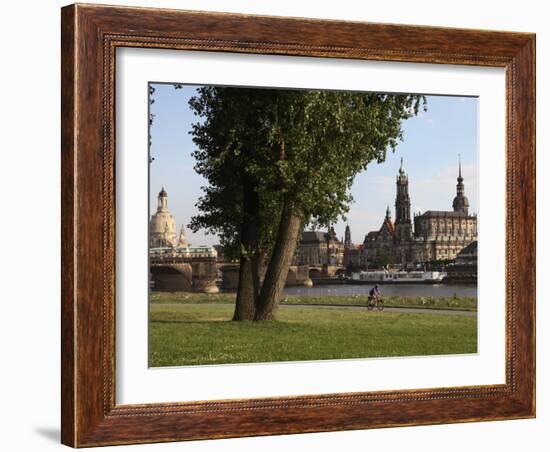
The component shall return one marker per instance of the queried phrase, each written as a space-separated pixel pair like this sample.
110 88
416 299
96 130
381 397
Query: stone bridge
324 271
298 275
175 274
200 274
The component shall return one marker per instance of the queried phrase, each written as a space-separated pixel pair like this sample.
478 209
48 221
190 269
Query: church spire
460 203
388 213
460 179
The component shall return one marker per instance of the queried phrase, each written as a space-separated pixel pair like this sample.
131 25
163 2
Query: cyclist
374 295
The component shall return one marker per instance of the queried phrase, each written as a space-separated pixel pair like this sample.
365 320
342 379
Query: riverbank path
354 308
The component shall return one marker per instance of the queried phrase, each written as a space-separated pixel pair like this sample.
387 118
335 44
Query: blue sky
432 142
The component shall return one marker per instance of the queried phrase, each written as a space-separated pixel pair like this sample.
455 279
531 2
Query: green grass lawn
456 303
183 334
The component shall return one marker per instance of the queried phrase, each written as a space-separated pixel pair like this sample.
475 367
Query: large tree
227 138
277 160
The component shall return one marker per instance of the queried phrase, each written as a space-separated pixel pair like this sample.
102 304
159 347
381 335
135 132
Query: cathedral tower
403 225
347 237
460 203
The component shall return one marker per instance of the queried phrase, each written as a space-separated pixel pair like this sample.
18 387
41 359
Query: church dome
461 203
162 227
163 223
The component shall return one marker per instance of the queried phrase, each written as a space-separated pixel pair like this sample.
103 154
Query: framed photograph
281 225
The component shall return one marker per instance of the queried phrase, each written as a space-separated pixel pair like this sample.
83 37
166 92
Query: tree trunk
258 270
277 271
245 306
248 288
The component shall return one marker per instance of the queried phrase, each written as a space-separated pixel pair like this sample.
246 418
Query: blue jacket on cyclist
375 291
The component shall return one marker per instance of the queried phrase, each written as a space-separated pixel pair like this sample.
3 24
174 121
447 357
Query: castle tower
403 225
162 227
347 237
460 203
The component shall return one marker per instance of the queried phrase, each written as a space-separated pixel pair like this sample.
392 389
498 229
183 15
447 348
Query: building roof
460 202
388 224
443 214
316 237
372 235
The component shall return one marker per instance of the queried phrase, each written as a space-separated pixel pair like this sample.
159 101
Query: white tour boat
398 277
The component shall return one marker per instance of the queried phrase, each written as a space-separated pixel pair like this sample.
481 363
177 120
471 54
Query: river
389 290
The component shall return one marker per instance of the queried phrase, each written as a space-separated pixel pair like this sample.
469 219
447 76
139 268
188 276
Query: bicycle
378 302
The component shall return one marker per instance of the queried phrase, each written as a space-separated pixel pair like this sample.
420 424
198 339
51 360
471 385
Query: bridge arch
315 273
172 277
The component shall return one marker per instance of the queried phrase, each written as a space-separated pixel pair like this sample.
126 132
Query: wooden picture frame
90 36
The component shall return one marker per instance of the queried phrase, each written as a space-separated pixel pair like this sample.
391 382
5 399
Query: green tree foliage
227 140
277 160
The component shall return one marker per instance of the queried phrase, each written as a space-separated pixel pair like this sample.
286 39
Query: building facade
464 267
435 236
318 248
